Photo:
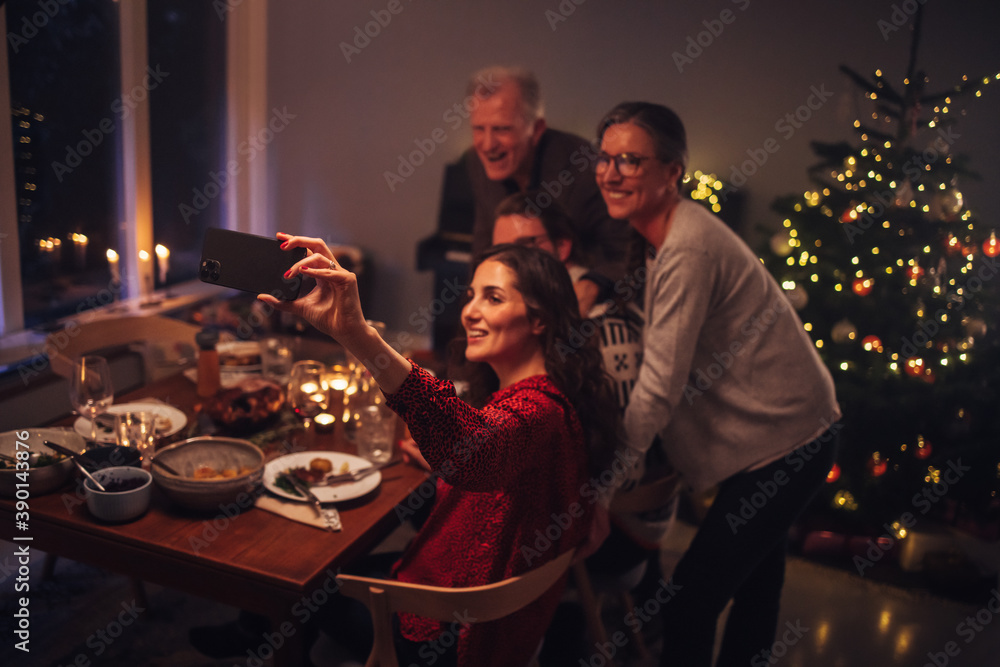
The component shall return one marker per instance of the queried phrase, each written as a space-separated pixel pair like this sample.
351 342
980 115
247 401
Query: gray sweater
730 380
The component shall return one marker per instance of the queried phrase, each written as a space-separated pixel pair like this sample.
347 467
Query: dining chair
384 597
643 498
164 343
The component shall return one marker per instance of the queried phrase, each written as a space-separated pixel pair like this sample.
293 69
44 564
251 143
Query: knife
331 517
355 475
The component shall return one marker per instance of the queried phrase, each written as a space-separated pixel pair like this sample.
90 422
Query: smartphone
250 263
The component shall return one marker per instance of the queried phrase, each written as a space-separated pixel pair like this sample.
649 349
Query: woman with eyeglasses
543 422
730 386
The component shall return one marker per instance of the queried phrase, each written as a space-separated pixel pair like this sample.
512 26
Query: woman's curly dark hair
572 358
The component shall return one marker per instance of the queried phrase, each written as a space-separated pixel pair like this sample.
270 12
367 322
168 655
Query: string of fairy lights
885 181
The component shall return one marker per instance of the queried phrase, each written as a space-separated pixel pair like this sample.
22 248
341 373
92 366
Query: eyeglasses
531 241
627 164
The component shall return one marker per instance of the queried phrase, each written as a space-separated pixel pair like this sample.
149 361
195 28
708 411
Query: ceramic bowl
116 505
41 478
212 472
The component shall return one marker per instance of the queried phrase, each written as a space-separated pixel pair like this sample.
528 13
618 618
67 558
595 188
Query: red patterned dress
511 497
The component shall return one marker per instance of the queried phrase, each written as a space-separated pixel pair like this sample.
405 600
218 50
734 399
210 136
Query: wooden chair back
646 497
384 597
643 498
152 336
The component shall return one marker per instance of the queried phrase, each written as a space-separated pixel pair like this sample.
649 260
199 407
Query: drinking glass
137 430
276 359
339 379
90 390
308 393
376 430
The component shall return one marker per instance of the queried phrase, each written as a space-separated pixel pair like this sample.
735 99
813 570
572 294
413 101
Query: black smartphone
250 263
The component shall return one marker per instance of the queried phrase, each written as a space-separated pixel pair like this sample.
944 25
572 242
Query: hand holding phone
250 263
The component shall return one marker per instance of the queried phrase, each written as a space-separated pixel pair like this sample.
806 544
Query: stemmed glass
90 389
308 393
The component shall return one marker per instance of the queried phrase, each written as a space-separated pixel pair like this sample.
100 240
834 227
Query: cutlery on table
76 459
355 475
156 462
330 515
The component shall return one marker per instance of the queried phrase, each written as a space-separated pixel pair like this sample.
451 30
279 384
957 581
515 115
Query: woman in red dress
517 475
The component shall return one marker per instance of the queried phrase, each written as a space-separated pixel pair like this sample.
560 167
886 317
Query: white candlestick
116 276
162 261
80 249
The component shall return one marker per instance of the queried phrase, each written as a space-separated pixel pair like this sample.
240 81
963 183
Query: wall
354 119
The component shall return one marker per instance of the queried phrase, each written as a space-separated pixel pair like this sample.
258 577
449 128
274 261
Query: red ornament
850 215
862 286
872 343
990 246
953 245
833 475
923 449
877 465
914 367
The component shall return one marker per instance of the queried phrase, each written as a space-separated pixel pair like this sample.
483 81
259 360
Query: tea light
324 421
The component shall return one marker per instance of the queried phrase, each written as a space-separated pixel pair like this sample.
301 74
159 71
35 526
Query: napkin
301 512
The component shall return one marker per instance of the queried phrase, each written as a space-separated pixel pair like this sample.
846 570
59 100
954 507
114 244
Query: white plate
239 348
161 410
227 379
326 494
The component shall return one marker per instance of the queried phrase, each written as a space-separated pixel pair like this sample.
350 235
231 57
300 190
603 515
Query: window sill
19 347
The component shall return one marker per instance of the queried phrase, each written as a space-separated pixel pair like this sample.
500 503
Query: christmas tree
896 281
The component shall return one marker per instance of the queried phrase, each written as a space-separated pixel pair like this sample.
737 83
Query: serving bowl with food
210 472
250 405
47 470
126 495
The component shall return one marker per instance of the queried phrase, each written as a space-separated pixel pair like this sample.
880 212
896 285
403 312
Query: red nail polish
284 245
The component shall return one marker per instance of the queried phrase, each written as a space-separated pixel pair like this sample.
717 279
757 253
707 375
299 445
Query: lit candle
146 272
116 276
80 249
162 261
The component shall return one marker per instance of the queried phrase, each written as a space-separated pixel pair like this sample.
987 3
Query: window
65 122
187 51
90 177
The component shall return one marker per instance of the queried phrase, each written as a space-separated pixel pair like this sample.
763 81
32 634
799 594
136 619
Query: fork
330 515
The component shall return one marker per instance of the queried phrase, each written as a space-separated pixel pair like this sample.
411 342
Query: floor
830 618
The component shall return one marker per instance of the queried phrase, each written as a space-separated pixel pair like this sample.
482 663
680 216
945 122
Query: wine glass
90 389
308 392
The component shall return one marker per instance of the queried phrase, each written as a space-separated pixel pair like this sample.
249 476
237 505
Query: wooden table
254 560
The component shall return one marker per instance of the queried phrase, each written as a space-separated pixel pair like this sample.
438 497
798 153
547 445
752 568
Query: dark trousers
738 554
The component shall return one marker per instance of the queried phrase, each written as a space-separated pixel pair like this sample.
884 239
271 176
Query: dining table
240 554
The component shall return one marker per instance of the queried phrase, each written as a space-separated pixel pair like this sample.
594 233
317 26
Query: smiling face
498 329
503 138
651 192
